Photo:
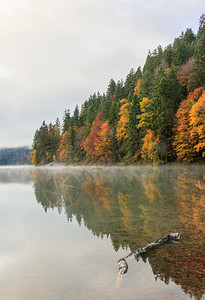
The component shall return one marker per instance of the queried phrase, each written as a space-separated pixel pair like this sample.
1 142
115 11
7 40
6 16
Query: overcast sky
55 53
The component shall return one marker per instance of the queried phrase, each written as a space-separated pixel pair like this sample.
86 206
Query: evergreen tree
189 36
119 91
58 124
168 54
90 115
75 117
166 97
180 55
132 131
138 74
66 120
130 83
111 89
146 83
105 107
40 143
201 25
198 78
113 115
160 105
52 142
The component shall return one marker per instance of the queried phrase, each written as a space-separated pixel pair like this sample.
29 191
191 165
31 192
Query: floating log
122 263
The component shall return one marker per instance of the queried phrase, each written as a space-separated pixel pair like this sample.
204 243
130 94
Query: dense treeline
157 114
15 156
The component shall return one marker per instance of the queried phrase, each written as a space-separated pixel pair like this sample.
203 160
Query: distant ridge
15 156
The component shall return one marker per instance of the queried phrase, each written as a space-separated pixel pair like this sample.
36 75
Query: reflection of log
59 190
122 263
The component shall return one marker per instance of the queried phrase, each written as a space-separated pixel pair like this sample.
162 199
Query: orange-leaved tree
98 143
92 139
103 144
137 87
188 116
150 148
197 123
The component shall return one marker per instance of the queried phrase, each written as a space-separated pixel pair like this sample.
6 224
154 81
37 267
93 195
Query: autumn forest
157 114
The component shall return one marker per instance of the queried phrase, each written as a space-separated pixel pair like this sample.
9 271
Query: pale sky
55 53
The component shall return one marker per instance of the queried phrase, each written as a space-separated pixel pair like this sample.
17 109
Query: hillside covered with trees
15 156
157 114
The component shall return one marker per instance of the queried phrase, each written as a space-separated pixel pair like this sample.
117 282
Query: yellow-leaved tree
145 118
65 147
123 121
34 160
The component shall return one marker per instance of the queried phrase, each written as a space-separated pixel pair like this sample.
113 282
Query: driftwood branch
122 263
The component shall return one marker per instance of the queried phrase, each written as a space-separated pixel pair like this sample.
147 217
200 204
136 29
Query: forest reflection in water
135 206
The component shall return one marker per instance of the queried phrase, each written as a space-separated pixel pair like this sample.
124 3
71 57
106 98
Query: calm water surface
62 231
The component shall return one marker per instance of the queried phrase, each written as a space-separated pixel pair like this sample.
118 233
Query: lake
63 230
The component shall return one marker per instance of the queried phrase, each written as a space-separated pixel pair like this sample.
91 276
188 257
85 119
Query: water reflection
135 206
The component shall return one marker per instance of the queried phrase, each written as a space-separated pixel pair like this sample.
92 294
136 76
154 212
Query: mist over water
63 230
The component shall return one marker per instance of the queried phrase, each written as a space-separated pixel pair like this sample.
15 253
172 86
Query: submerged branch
122 263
